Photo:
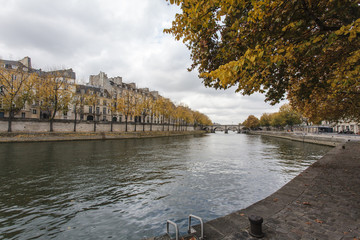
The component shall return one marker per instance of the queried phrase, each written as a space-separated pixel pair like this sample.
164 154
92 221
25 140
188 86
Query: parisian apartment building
105 88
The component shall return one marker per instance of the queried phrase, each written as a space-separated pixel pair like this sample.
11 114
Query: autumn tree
178 116
276 120
164 107
200 119
204 120
289 115
92 99
265 120
78 102
169 108
251 122
146 108
136 107
16 90
53 92
305 50
188 117
125 106
113 108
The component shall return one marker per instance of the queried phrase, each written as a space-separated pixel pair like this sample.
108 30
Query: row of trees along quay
52 92
306 51
286 116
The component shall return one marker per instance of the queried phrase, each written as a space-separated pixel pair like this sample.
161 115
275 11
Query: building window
97 111
104 111
90 109
34 111
22 115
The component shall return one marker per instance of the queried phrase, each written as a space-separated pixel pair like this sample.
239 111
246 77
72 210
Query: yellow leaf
252 59
352 35
318 38
261 53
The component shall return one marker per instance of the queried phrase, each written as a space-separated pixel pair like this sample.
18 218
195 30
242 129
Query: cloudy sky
121 38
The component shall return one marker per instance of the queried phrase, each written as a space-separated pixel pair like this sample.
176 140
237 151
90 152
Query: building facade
98 100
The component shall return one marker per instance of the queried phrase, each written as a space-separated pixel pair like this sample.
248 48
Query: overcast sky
121 38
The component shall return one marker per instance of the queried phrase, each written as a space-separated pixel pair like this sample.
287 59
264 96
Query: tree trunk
163 123
52 116
51 125
94 125
75 122
151 122
126 123
135 125
10 121
144 124
111 124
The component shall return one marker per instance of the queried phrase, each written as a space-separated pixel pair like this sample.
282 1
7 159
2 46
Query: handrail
201 224
176 229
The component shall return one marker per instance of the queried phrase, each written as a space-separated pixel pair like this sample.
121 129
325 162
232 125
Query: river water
127 189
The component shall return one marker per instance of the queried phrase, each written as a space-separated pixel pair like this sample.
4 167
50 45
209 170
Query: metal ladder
190 229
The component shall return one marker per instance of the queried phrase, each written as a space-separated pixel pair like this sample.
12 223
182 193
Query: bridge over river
225 128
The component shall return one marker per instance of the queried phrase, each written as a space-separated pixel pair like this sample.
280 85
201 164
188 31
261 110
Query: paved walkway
323 202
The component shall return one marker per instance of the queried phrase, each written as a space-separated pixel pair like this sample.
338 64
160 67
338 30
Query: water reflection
126 189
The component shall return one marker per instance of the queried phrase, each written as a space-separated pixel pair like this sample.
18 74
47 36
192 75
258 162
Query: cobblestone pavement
323 202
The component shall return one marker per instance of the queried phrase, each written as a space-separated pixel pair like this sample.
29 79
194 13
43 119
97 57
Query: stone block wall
24 125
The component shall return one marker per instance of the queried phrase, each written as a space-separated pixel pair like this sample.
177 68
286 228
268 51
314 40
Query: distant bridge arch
225 128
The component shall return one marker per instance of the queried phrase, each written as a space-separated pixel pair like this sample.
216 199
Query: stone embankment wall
84 126
323 139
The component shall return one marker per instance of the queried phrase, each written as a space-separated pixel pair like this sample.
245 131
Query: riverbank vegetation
286 116
305 51
52 92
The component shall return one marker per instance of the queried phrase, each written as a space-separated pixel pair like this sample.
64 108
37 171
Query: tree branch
318 22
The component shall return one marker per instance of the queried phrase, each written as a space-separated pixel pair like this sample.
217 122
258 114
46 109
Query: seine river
127 189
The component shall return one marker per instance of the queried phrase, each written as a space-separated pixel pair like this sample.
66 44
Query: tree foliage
286 116
306 50
16 90
92 99
265 120
252 122
289 116
78 102
125 105
54 94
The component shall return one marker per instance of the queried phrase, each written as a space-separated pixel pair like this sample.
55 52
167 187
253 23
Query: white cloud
120 38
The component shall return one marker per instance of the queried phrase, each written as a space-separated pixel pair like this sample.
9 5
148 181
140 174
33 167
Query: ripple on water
127 189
